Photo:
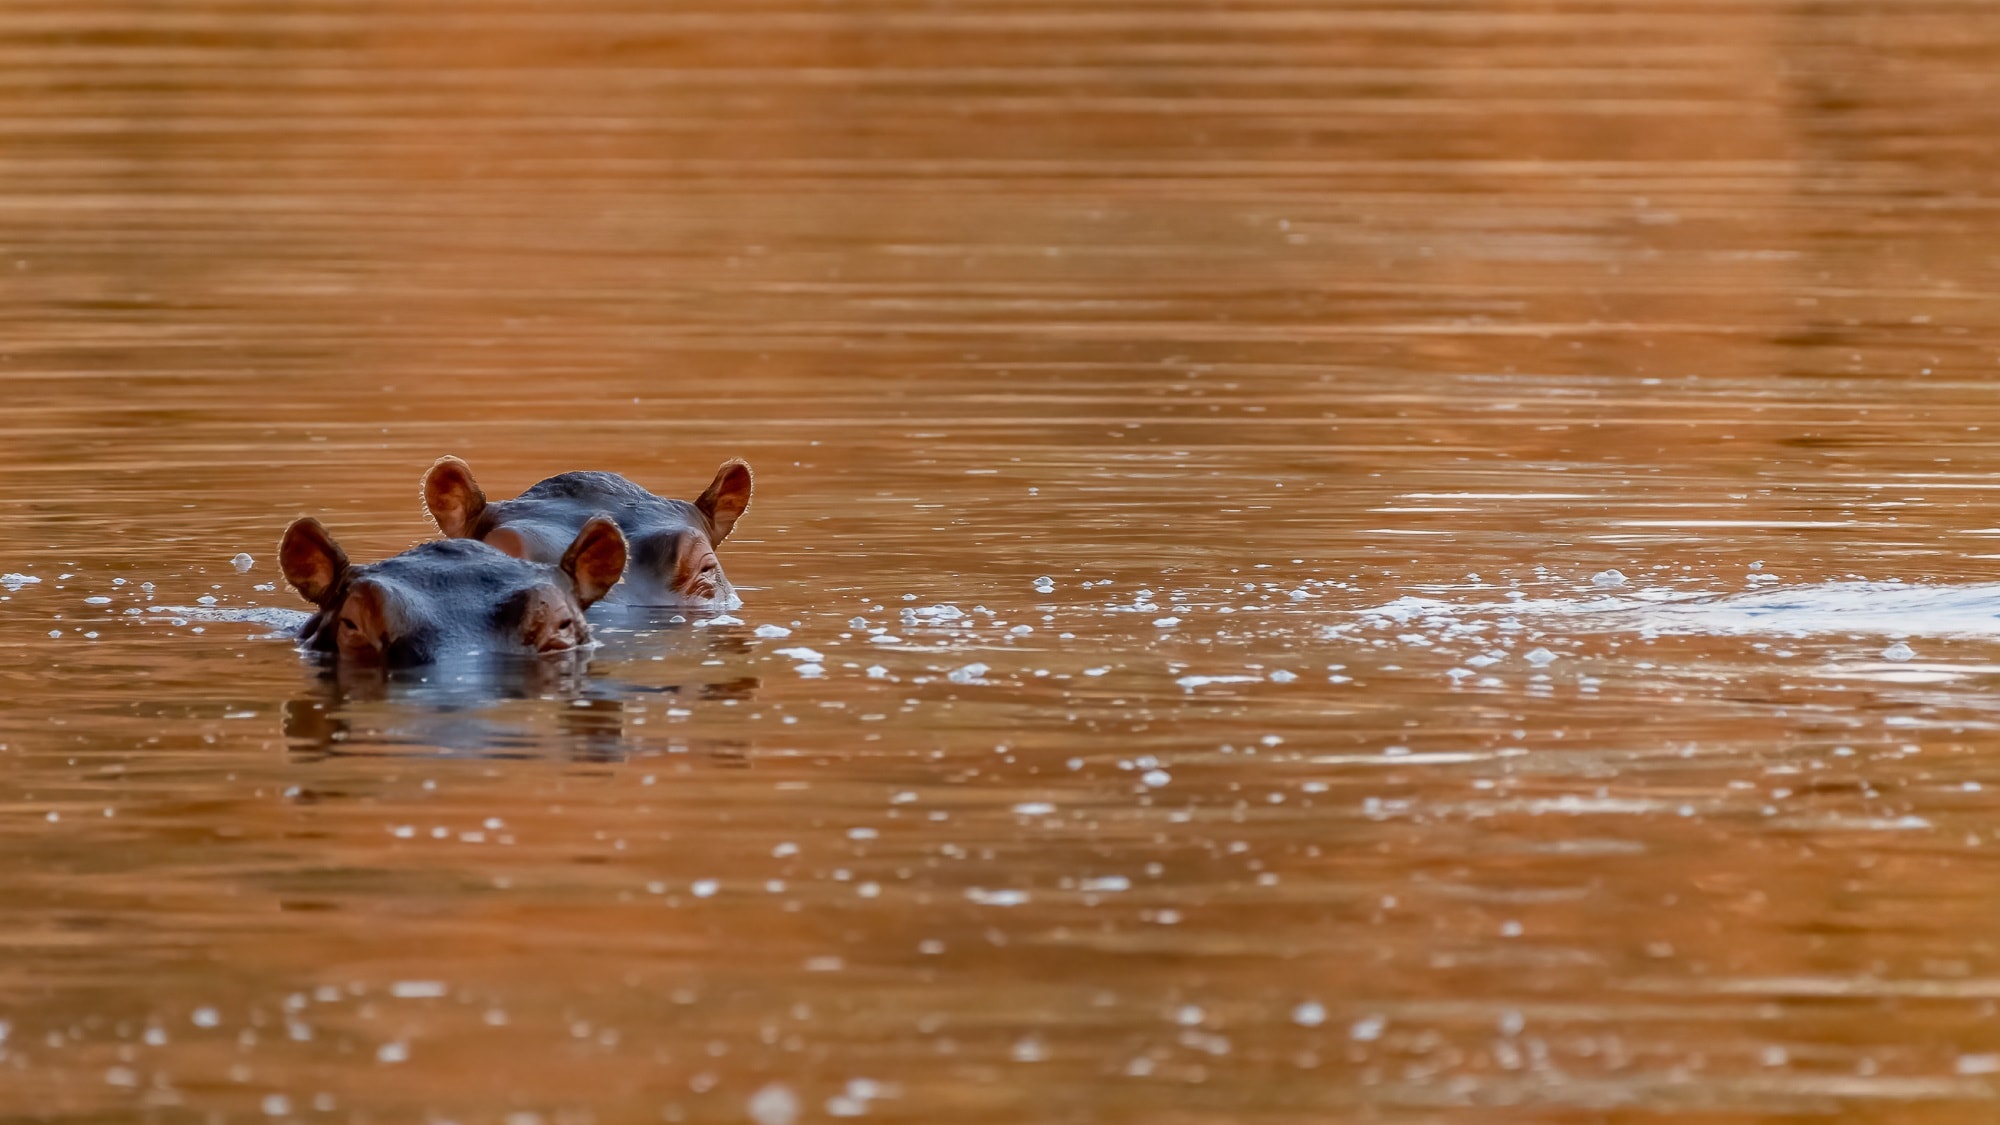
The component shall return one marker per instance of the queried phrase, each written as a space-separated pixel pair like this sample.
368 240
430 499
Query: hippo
449 598
673 542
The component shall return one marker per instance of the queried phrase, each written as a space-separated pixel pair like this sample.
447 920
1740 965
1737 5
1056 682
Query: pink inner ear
311 561
727 498
596 560
509 541
453 497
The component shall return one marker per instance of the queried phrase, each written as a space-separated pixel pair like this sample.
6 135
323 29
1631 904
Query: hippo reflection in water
673 542
553 707
448 599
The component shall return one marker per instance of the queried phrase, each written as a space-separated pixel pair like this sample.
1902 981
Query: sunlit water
1323 360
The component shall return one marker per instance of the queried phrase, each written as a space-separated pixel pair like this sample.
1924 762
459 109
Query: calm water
1318 355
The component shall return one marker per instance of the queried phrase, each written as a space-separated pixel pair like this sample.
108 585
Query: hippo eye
566 623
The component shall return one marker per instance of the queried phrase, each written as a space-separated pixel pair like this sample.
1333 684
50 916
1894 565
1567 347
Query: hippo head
673 542
448 599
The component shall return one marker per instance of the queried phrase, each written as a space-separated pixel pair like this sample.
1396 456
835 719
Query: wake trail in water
285 622
1891 609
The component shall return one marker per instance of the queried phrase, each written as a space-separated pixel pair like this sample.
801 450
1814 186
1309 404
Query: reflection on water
1180 676
501 708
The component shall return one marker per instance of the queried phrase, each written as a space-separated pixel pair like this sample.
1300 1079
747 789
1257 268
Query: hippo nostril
702 585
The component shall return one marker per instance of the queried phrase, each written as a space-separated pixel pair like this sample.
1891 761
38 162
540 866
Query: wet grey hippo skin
448 599
673 542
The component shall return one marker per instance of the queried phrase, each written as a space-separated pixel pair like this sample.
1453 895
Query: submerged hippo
673 542
448 599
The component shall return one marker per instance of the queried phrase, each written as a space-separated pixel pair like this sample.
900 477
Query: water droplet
970 674
774 1104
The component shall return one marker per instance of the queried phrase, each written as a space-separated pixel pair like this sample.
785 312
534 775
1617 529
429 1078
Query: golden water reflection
1240 324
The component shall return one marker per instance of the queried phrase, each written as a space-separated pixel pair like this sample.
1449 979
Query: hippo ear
595 559
313 563
726 499
453 498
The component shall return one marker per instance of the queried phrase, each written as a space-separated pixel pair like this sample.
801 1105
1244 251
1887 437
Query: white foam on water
290 620
1437 758
1905 673
1885 609
774 1104
1190 683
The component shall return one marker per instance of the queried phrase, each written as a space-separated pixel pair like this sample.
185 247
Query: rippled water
1325 359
